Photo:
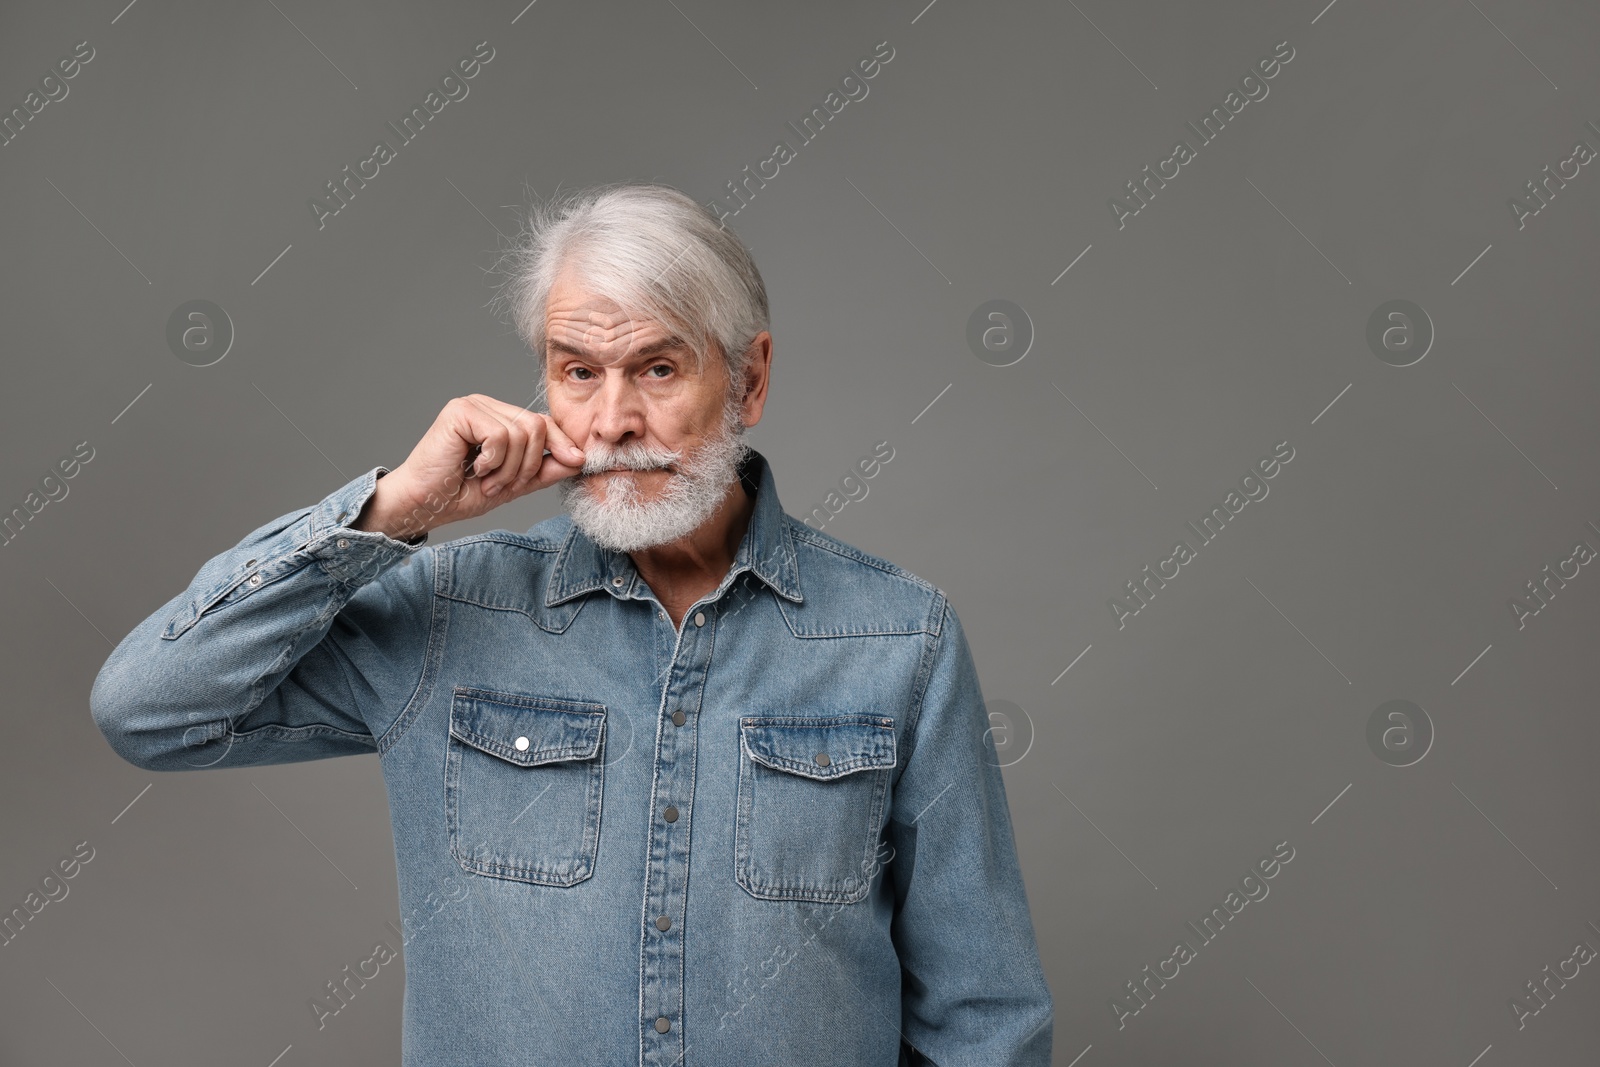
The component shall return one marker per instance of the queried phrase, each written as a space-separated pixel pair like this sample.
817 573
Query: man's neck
682 571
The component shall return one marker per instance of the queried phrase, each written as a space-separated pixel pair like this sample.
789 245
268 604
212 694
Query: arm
304 641
973 990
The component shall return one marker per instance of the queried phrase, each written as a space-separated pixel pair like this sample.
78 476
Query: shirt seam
800 532
431 659
932 646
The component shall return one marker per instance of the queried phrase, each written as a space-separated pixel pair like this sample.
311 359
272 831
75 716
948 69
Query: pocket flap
526 730
823 749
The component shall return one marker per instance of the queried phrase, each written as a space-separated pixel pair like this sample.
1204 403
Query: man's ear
758 375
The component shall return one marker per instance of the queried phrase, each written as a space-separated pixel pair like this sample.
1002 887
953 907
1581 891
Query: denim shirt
775 835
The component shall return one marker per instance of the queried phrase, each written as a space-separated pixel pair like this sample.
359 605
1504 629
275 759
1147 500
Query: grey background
1228 315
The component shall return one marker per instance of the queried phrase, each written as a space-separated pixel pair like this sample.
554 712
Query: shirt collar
766 549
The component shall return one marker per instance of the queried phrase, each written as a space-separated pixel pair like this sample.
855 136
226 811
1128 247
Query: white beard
613 512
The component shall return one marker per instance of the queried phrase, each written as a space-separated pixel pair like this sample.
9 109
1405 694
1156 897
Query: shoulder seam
839 548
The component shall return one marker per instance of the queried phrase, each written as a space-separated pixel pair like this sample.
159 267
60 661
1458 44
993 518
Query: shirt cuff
349 554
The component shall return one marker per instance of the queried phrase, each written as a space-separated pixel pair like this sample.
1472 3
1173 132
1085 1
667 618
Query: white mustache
597 463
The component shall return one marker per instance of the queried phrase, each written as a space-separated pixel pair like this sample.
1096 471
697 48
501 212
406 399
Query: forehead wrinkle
653 349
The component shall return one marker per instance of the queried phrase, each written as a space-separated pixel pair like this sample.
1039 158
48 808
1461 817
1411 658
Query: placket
664 912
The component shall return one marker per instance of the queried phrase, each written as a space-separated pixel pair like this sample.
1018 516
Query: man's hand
479 453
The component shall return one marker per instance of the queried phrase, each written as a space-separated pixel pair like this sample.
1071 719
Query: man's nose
618 412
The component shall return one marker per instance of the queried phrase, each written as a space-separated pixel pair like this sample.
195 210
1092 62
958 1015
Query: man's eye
581 370
662 366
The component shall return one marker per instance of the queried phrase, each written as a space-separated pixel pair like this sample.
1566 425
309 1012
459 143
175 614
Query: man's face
662 437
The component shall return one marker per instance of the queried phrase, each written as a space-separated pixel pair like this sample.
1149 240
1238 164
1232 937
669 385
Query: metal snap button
249 563
521 744
678 718
255 579
617 581
671 814
663 923
699 618
344 542
662 1025
822 759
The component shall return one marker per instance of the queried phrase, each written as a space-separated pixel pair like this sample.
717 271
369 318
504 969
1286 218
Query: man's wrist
384 513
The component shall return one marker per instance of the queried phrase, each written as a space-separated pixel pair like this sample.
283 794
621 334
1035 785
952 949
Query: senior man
675 778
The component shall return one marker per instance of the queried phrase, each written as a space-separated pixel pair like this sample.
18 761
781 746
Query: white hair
651 249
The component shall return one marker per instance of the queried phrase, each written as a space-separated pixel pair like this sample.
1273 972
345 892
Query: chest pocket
523 784
811 800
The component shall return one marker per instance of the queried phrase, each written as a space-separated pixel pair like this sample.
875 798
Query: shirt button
344 542
822 759
677 718
662 1025
663 923
617 582
255 579
521 743
671 814
699 618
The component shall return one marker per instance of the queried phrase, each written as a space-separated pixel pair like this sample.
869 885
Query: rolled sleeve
973 988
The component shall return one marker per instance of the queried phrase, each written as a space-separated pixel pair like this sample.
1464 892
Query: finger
554 439
565 459
553 470
529 429
533 455
488 430
560 444
510 467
